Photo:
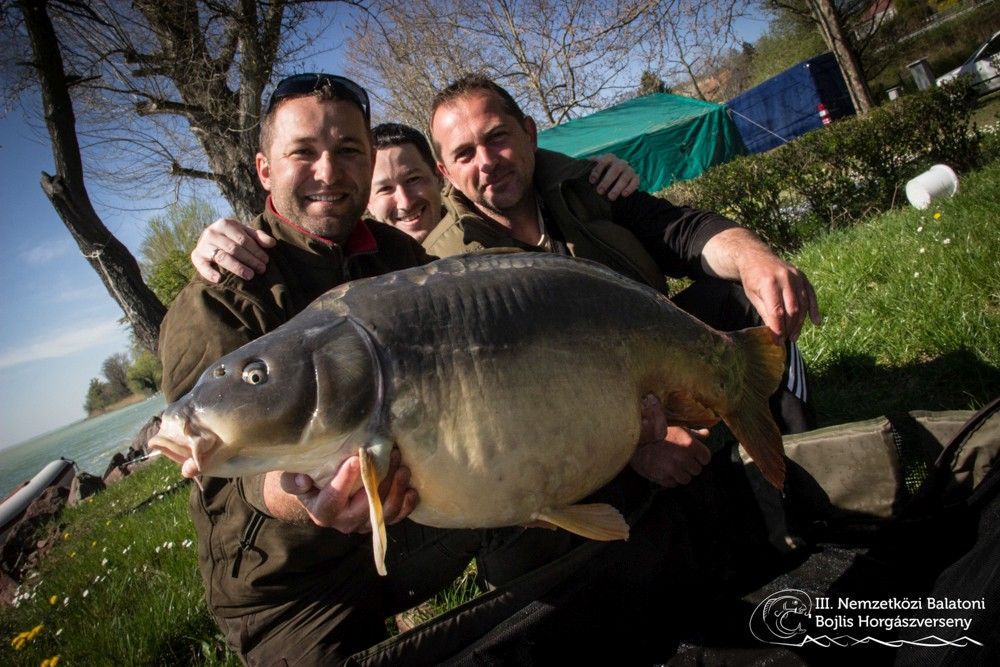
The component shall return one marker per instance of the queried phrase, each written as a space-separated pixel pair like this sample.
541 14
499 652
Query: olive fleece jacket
250 561
640 236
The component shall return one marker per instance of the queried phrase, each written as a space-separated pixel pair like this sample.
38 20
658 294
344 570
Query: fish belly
519 434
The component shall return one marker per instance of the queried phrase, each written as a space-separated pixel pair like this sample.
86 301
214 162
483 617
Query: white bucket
936 181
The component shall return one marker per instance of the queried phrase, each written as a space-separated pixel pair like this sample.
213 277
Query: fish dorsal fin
682 409
596 521
369 477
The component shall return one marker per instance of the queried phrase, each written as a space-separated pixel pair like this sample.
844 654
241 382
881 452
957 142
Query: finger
296 484
701 453
632 186
814 314
330 505
232 264
204 267
393 500
601 163
264 240
410 500
387 482
611 176
627 180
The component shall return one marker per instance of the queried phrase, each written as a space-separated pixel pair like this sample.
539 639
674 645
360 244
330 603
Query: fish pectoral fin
369 477
682 409
596 521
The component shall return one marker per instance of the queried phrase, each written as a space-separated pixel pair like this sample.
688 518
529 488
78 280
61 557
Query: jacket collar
360 242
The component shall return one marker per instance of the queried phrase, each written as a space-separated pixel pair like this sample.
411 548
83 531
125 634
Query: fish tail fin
369 478
748 415
596 521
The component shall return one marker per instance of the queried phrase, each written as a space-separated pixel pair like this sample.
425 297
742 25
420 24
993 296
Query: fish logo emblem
780 616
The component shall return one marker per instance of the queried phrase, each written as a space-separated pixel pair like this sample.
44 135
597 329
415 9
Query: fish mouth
184 441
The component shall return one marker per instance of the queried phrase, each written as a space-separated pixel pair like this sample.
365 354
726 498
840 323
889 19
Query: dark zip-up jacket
640 236
250 561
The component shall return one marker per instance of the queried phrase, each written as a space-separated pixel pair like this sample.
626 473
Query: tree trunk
66 190
831 26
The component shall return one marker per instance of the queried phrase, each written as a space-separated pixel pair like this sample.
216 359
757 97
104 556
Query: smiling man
287 573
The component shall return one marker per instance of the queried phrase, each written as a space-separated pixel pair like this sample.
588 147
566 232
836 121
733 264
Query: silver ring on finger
214 253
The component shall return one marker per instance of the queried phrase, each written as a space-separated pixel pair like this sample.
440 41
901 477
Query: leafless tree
850 29
147 90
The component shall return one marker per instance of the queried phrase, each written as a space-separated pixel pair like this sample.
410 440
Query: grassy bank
912 308
118 405
121 585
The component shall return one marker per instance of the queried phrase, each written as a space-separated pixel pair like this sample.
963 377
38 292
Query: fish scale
512 385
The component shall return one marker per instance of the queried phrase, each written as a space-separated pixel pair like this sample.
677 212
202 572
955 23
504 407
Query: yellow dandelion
53 599
19 641
35 630
65 536
937 215
72 554
50 662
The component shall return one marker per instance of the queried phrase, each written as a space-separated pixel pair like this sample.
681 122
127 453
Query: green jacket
248 560
571 203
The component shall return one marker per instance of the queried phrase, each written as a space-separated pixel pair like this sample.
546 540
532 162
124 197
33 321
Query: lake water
91 443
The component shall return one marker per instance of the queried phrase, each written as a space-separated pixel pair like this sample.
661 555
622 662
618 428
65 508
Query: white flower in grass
86 592
946 241
916 274
922 251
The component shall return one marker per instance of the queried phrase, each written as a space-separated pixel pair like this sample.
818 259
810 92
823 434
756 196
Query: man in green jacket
287 566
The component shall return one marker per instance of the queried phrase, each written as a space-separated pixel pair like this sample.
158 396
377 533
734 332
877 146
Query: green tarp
665 138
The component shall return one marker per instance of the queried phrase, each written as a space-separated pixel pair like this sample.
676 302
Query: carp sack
511 383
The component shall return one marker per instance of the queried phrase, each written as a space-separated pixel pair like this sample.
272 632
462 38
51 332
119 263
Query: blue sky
57 321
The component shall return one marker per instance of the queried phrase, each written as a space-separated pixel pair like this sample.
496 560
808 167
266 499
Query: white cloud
46 252
62 345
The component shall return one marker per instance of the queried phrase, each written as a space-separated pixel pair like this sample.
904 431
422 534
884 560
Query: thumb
264 239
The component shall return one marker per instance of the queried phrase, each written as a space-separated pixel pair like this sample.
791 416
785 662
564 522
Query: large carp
511 383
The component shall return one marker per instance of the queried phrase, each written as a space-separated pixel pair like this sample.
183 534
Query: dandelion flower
50 662
65 536
35 631
937 215
53 599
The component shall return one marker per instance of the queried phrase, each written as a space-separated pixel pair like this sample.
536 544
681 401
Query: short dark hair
321 86
472 83
388 135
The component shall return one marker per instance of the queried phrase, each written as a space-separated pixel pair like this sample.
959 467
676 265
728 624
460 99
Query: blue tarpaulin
791 103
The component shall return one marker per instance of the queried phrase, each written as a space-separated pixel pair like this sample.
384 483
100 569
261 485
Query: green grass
911 303
120 586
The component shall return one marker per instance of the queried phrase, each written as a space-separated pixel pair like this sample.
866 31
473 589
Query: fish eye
255 373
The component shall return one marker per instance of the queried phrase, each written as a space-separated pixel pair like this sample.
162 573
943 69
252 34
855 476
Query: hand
341 503
670 456
781 294
613 177
230 245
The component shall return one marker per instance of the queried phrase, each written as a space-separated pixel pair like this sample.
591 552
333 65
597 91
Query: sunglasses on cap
303 84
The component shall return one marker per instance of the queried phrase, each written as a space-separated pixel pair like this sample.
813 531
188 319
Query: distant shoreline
118 405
